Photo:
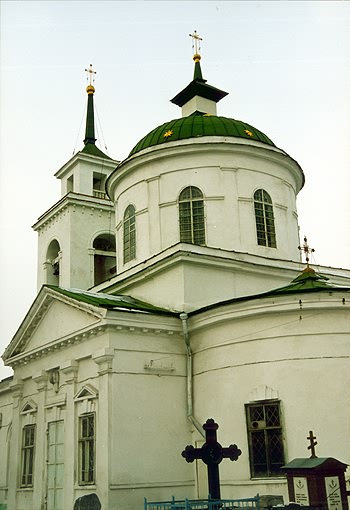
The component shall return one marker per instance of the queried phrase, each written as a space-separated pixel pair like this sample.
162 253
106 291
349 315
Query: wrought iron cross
90 72
196 42
211 453
307 250
313 443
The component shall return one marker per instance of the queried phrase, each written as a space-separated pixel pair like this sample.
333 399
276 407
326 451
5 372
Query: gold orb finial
196 57
90 89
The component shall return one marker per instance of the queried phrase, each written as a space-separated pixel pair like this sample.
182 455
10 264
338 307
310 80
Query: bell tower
76 241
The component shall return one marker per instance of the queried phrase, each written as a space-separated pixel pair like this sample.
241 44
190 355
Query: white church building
170 291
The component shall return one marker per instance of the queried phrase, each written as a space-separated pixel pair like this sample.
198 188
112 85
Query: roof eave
198 88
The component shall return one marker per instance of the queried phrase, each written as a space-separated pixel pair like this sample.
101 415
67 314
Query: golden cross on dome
307 250
313 443
90 72
196 42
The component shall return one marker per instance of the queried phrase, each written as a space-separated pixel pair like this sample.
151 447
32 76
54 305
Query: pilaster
70 370
16 441
104 360
40 447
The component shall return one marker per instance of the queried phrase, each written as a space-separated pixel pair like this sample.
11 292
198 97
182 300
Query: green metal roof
314 463
308 281
110 301
93 150
198 87
197 125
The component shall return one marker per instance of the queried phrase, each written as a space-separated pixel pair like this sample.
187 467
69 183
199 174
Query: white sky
286 66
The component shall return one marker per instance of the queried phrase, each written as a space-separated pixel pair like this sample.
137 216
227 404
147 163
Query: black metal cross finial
313 443
212 453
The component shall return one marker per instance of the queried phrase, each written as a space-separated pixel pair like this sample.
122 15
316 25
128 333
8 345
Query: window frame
28 456
269 431
263 211
129 234
192 216
86 445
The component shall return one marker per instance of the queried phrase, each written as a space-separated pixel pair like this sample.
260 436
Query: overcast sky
286 66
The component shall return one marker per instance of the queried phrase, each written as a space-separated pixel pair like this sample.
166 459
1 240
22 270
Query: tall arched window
265 223
104 257
129 234
191 216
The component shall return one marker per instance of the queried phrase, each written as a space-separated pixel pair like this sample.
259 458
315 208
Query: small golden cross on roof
313 443
90 72
307 250
196 42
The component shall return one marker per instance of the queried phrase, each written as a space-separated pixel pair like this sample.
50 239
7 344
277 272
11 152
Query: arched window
191 216
265 223
53 263
129 234
104 257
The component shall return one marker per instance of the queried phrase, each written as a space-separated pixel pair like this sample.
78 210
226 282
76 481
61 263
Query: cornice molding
68 204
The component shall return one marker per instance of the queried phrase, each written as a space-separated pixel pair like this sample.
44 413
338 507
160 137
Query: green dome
200 125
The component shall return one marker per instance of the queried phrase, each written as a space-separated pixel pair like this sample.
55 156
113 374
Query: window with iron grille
87 449
191 216
129 234
265 438
264 219
28 444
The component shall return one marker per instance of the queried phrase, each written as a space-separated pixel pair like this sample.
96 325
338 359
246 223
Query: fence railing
99 194
204 504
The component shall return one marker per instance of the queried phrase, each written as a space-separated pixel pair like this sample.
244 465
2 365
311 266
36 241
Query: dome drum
227 172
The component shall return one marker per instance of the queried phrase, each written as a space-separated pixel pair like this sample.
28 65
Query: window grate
266 452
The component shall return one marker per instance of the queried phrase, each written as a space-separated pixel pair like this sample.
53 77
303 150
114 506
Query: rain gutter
189 373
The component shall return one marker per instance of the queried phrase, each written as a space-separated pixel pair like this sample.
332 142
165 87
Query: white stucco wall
228 173
300 355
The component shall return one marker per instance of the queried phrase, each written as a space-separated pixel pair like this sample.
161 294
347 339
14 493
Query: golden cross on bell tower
307 250
90 72
196 42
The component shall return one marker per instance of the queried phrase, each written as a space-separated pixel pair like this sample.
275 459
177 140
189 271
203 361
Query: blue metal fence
204 504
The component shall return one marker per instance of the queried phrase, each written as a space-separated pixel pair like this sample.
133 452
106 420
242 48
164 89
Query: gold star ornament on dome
168 133
249 133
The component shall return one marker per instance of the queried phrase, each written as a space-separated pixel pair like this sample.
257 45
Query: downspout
189 374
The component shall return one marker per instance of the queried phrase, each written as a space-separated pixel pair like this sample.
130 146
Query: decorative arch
191 216
53 257
264 219
129 234
104 257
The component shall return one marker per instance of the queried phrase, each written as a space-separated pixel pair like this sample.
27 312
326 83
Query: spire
90 120
89 140
198 97
196 46
197 75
